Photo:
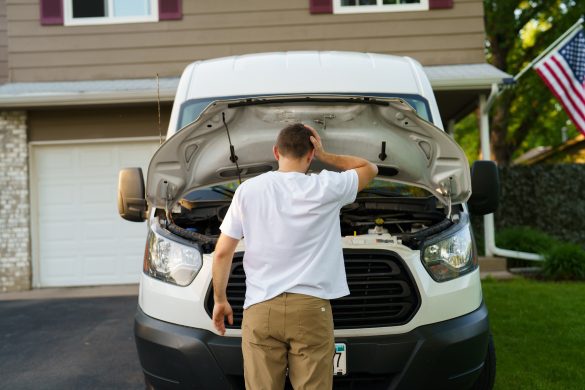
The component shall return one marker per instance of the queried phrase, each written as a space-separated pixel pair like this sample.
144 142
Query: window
84 12
361 6
191 109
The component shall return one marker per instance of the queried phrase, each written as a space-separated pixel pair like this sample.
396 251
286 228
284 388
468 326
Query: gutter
465 77
83 98
488 220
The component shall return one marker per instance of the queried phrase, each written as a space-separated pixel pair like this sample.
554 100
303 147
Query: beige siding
3 44
226 27
92 123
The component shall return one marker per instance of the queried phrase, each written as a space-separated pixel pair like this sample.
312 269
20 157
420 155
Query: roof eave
469 77
82 99
466 84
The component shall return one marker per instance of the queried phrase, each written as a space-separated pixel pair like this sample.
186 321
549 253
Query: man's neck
290 165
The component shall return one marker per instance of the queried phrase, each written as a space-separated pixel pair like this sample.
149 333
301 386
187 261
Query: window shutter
169 10
51 12
321 6
440 4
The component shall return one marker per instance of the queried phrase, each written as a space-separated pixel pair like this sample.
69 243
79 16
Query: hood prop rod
233 156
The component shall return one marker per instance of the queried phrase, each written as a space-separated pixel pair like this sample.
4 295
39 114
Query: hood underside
387 132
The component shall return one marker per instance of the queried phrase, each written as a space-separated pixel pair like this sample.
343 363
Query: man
293 261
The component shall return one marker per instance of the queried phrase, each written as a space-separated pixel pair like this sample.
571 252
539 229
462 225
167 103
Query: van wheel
488 373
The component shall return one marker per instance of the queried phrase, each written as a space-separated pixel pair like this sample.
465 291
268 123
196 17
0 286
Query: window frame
379 7
69 20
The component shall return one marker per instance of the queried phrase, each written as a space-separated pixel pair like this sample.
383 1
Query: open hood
387 132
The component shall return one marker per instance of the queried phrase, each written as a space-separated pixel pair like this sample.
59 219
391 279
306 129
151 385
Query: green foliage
548 198
517 31
564 262
525 239
466 134
541 207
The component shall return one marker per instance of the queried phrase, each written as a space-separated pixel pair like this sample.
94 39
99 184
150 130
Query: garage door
81 240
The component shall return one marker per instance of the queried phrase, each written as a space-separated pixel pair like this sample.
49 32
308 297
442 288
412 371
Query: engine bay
409 219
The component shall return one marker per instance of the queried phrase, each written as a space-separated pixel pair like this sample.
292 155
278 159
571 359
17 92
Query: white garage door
81 239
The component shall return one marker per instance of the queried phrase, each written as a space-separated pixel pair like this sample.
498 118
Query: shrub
525 239
564 262
545 197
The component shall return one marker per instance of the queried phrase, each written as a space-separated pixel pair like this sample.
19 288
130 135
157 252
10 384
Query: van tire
488 373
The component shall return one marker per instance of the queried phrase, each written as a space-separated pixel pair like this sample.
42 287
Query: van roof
302 72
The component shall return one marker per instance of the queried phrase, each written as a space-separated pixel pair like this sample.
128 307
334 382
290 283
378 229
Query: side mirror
485 188
131 201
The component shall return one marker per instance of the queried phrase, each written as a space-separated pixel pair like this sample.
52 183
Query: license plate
340 359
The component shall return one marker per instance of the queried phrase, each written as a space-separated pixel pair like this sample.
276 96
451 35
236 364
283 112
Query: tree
527 114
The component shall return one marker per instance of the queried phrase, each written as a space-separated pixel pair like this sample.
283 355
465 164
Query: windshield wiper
222 190
311 99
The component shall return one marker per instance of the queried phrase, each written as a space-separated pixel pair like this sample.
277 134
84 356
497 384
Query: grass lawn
539 333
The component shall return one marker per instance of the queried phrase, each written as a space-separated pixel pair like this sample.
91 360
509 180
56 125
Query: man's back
290 222
293 261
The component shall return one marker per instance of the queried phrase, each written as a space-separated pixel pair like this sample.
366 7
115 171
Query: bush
525 239
564 262
545 197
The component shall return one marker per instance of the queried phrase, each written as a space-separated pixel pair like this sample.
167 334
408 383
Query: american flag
563 70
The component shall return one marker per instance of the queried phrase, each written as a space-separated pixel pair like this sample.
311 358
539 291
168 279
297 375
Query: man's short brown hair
294 141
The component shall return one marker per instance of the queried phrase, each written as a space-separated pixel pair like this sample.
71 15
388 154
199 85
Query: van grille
382 292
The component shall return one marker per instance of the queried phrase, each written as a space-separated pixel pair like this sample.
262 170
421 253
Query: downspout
488 220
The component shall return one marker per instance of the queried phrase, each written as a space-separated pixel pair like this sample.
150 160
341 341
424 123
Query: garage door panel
98 193
58 268
81 238
127 268
55 162
56 195
57 230
98 231
97 159
132 154
94 211
100 266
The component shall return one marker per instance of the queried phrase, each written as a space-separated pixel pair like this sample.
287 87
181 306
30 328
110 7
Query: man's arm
366 171
220 270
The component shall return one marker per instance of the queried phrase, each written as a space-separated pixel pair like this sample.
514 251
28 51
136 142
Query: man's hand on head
316 141
220 311
365 170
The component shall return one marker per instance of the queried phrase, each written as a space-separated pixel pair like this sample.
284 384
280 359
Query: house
570 151
79 96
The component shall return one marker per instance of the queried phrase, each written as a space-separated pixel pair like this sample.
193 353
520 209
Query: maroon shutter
51 12
169 10
440 4
321 6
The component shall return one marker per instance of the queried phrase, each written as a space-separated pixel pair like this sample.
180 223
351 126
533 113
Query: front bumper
444 355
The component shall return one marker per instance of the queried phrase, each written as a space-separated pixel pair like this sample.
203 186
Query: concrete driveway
68 343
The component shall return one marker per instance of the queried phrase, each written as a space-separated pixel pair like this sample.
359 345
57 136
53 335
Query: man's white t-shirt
290 222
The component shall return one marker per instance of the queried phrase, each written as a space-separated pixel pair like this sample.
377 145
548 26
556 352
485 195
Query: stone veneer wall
15 253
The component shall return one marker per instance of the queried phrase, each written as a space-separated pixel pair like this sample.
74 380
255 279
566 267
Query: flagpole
549 48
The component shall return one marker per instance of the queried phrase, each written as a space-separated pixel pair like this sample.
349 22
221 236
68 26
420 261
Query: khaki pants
290 330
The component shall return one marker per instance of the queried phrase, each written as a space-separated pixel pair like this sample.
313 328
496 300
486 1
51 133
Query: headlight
171 261
451 257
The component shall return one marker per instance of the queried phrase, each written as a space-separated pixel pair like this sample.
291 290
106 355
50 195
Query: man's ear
311 154
275 152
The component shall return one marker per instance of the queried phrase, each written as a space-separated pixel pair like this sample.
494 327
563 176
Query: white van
415 317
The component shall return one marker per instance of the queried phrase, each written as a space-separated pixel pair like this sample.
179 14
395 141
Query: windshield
376 189
191 109
385 188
